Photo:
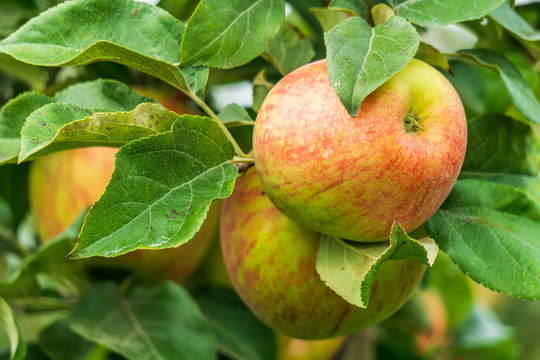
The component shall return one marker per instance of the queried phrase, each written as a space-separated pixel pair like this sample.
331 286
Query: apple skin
297 349
271 262
352 177
435 337
213 272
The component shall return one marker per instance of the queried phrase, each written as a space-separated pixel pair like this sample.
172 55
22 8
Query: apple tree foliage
171 167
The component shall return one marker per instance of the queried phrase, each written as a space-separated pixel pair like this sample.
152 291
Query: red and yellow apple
435 337
297 349
271 262
213 272
352 177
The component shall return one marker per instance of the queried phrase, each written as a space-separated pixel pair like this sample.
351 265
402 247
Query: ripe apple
297 349
352 177
213 272
435 337
271 262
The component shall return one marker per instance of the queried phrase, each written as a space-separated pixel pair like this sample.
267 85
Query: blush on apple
352 177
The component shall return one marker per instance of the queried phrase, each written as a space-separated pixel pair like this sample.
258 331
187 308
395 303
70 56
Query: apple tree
269 179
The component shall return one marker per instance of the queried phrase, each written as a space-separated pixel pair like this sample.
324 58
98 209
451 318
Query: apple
352 177
213 272
435 337
271 262
62 184
297 349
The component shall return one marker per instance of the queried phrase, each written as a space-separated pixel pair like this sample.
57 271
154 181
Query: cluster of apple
317 170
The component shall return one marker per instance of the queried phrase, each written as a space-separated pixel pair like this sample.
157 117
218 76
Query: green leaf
528 184
33 76
12 118
495 206
328 18
511 21
144 324
240 125
234 115
499 144
109 95
230 33
56 127
61 343
432 56
55 121
520 92
490 230
351 7
289 50
261 88
454 288
54 39
435 12
160 190
13 187
349 268
481 90
381 13
48 262
240 334
485 336
9 324
362 58
6 216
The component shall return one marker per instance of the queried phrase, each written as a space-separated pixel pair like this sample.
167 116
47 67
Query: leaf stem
213 115
44 303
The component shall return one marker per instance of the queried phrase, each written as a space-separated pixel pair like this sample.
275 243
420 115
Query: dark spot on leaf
134 13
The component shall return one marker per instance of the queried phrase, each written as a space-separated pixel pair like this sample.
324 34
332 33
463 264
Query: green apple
271 262
352 177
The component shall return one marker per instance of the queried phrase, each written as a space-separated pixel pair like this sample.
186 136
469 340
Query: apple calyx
411 123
